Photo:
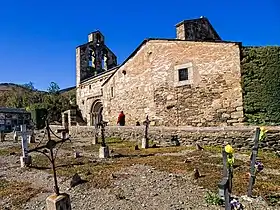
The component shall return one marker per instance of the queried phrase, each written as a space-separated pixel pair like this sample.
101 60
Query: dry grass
208 162
16 193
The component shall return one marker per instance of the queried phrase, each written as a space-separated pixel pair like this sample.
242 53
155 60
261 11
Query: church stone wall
213 95
130 90
88 92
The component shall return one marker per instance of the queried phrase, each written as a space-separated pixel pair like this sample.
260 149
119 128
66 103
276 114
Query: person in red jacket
121 119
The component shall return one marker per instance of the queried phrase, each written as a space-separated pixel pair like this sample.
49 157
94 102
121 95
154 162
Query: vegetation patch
16 193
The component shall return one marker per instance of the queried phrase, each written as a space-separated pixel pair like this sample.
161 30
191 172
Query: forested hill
27 96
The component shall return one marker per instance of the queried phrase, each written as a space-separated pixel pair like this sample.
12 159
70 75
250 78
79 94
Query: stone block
145 143
25 161
240 108
232 121
58 202
225 115
104 152
236 115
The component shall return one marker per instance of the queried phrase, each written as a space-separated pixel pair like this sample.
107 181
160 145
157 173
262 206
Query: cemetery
140 167
191 139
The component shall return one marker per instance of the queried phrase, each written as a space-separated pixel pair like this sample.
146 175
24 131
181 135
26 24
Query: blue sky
38 38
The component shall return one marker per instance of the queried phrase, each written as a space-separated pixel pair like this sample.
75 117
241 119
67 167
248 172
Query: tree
53 88
29 86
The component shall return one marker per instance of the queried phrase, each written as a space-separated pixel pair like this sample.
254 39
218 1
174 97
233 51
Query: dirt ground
154 178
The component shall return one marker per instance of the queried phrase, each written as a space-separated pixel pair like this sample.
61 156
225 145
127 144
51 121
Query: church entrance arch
96 112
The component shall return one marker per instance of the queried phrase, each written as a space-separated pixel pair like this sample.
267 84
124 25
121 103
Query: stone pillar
58 202
145 143
104 152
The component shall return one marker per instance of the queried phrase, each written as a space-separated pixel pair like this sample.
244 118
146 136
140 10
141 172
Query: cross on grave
145 140
253 162
225 186
25 159
57 201
104 149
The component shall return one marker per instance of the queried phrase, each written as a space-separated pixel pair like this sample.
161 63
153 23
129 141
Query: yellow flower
229 149
262 133
263 129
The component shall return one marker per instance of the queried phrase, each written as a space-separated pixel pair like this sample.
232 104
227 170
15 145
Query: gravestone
145 140
25 159
58 202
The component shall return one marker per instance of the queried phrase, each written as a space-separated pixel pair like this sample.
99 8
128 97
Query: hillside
26 96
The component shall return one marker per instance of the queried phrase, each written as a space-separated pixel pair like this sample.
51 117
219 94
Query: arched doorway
96 113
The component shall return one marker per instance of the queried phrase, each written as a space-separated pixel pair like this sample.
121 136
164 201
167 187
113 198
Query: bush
261 84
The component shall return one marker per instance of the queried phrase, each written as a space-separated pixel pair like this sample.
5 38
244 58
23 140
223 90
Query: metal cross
50 145
253 162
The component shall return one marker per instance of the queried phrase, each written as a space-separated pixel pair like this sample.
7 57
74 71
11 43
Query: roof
163 39
12 110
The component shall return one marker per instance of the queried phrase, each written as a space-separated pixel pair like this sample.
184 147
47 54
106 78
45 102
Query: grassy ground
179 159
16 193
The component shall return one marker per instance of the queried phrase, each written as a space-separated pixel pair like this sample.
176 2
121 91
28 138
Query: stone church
191 80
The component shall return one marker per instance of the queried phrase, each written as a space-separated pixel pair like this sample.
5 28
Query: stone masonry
238 137
212 97
193 80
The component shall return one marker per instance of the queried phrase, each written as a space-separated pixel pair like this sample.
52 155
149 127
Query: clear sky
38 37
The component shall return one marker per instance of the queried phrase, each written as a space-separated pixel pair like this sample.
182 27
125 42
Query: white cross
24 143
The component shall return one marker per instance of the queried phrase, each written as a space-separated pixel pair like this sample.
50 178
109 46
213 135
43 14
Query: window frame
177 68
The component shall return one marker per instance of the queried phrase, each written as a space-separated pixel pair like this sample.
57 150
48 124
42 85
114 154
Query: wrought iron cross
102 124
50 146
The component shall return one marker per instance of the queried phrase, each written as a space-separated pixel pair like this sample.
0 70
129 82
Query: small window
89 86
112 92
183 74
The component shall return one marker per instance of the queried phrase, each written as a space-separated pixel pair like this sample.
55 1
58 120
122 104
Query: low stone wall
239 137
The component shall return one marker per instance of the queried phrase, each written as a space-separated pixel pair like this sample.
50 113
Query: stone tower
196 30
93 58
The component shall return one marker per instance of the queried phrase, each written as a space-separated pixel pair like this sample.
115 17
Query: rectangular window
183 74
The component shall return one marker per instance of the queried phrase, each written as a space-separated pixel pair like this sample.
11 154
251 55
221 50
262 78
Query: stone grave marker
104 149
56 201
25 159
145 140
